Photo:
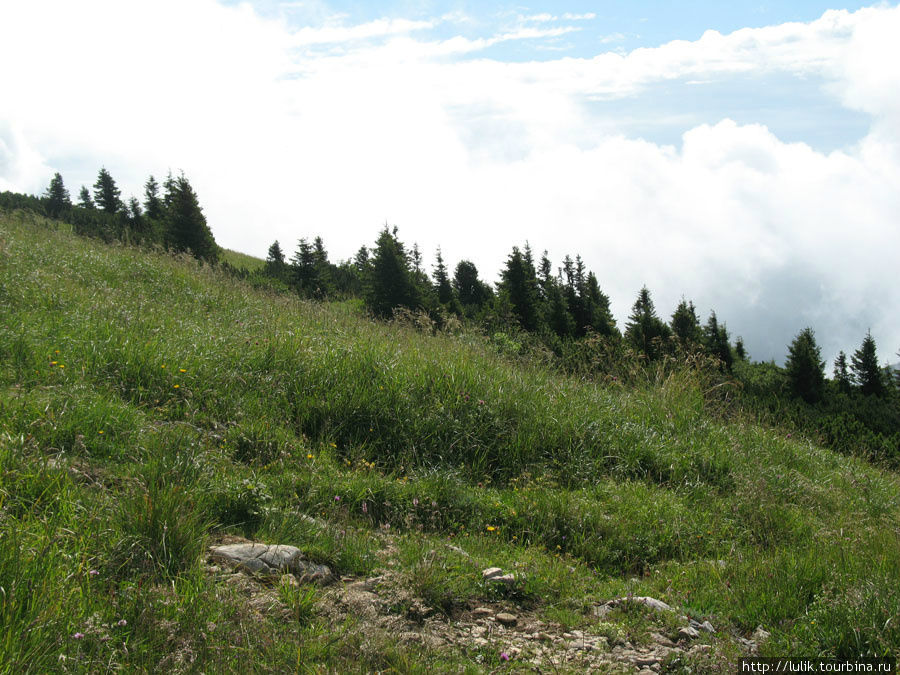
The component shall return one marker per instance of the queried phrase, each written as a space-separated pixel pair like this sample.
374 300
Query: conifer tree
558 318
519 283
303 268
739 350
84 199
644 329
866 371
58 200
599 315
361 261
186 228
715 341
153 205
323 270
442 285
472 292
804 367
276 267
106 193
841 373
686 324
545 277
390 281
135 215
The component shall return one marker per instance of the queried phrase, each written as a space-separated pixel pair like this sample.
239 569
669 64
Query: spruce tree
866 371
390 281
804 367
186 228
323 270
644 329
361 261
84 199
715 341
739 350
599 316
686 324
153 205
276 267
303 269
841 373
472 292
558 318
135 216
58 200
106 193
519 283
442 285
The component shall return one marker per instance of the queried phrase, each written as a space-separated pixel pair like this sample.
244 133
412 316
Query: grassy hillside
150 406
240 260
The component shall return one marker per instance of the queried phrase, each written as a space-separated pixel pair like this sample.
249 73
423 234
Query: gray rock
661 639
760 635
708 627
647 660
507 619
490 573
270 561
482 611
652 603
688 633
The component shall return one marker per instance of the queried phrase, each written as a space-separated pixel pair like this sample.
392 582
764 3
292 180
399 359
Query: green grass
241 260
148 405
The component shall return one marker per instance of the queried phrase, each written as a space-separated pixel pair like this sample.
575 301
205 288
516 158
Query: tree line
170 214
562 310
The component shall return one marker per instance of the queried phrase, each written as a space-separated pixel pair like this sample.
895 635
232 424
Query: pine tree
58 200
361 261
186 228
390 282
866 371
106 194
84 199
303 269
519 283
276 267
739 350
136 219
442 281
324 285
686 324
598 314
153 205
472 292
804 367
715 341
841 374
644 329
558 318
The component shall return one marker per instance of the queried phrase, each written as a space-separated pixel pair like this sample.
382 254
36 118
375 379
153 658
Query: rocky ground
382 606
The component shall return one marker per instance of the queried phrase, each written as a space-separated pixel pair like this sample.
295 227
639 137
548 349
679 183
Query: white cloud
475 154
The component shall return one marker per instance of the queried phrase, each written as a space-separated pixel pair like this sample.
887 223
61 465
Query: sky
743 155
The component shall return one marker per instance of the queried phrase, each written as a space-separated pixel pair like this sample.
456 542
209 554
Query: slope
150 405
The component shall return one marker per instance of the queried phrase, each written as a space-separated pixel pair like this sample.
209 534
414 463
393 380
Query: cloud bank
333 129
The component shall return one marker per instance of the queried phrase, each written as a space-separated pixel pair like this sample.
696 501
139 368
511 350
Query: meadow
151 405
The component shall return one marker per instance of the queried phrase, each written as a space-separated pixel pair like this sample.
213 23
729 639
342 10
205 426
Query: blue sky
745 156
624 25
